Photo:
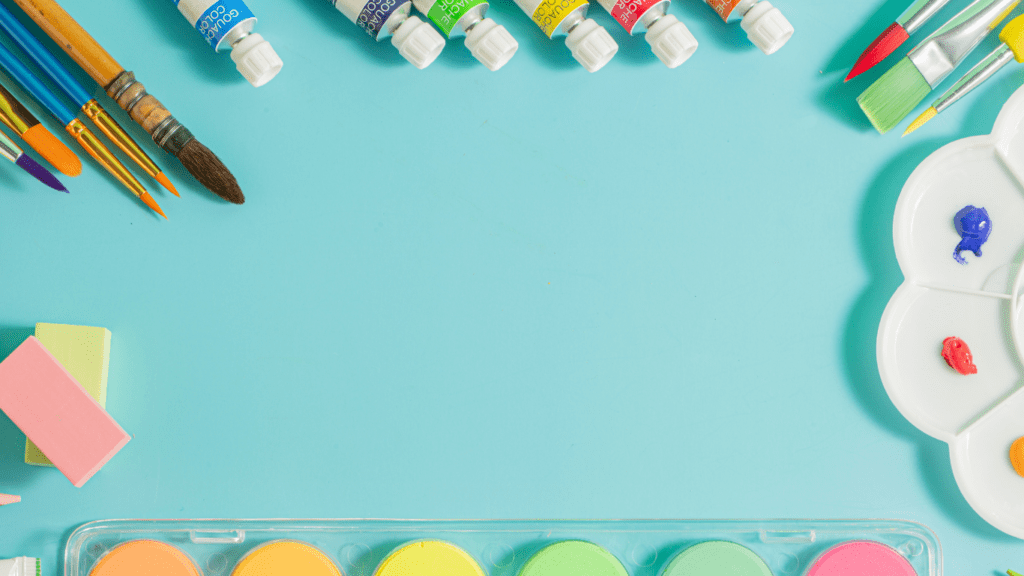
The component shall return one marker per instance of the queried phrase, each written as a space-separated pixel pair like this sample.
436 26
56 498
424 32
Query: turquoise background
531 293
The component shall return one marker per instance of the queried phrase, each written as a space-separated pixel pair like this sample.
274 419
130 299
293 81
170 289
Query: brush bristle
210 171
928 114
886 43
42 174
894 95
53 150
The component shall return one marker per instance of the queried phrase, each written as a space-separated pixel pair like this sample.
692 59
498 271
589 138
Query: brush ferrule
172 136
982 71
919 13
941 52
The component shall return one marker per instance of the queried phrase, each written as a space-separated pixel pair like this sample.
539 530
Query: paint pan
286 558
429 558
980 302
149 557
573 558
718 558
861 558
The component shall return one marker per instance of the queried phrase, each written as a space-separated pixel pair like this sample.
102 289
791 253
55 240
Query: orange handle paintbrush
131 96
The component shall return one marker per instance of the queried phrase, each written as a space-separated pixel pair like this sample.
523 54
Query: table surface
461 294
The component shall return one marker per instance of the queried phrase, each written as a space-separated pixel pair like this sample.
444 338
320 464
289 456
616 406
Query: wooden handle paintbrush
131 96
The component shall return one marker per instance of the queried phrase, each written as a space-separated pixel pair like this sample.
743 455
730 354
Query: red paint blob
958 356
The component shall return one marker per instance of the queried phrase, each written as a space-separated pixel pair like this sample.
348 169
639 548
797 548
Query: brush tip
890 98
886 43
26 163
166 183
53 150
147 198
921 120
210 171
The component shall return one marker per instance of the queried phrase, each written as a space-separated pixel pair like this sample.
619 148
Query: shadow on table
876 244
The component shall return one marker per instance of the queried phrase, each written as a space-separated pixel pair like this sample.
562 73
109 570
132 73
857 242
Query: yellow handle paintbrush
1012 48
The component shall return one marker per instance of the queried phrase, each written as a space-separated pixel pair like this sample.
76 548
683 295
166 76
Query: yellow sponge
84 352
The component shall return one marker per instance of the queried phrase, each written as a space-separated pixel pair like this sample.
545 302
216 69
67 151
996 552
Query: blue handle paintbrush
74 90
20 73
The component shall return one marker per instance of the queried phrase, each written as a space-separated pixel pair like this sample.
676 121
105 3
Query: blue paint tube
228 24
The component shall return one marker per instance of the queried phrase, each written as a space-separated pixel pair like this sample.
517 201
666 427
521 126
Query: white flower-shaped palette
978 415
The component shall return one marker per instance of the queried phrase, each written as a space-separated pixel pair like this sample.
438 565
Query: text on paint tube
723 7
375 13
447 13
550 13
628 12
220 18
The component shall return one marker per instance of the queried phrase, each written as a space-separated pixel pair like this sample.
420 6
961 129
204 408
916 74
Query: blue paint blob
973 225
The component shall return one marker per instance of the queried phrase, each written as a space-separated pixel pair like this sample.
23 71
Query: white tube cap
418 42
671 41
591 45
256 60
491 44
766 27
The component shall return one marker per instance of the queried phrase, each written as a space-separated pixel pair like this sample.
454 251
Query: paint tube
589 42
487 41
669 38
23 566
764 24
229 24
416 41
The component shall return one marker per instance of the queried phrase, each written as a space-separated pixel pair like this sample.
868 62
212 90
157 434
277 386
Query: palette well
950 344
494 547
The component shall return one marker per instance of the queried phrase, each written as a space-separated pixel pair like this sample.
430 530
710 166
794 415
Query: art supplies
589 42
1012 48
6 499
228 24
493 547
975 407
11 151
56 413
912 19
84 351
144 109
670 39
19 72
416 41
16 117
23 566
764 24
905 85
60 76
487 40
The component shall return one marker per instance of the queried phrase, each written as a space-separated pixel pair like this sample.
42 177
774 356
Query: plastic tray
502 546
978 415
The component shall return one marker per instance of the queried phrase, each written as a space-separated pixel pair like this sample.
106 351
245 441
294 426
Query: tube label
550 13
723 7
447 13
220 18
628 12
374 14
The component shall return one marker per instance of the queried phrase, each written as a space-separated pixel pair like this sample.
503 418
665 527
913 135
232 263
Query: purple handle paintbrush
11 151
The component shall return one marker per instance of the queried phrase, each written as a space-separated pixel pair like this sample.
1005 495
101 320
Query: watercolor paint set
950 346
502 548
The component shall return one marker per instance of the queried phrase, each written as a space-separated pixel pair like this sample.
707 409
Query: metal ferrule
983 71
236 34
919 13
169 134
400 15
8 149
943 51
104 156
470 19
653 14
117 135
13 114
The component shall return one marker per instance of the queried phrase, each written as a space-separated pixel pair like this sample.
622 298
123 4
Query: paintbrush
1012 573
11 151
898 91
131 96
895 35
16 70
60 76
24 124
1012 48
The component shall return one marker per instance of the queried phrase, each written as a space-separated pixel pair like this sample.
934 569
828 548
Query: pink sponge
56 413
